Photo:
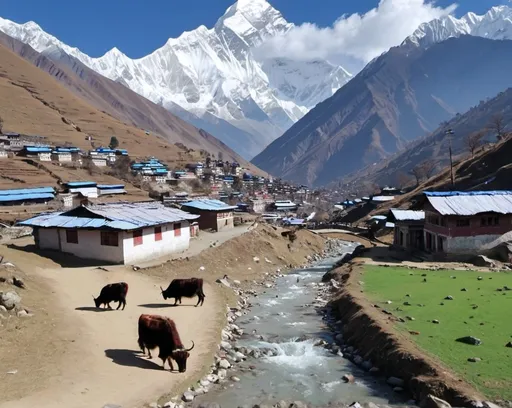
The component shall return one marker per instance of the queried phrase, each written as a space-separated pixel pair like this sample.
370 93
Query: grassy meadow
480 311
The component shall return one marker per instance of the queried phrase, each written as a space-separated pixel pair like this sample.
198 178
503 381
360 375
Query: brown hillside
33 102
121 102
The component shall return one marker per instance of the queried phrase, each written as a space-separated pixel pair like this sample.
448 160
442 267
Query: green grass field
491 321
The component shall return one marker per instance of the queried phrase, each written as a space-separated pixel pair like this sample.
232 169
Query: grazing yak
160 331
113 292
179 288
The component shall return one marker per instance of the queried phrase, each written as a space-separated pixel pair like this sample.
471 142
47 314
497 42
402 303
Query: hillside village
370 268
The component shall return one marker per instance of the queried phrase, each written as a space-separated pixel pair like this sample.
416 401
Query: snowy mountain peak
213 74
496 24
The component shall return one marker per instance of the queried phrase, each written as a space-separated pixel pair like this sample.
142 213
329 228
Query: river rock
224 345
235 378
282 404
366 365
188 396
474 359
170 404
395 382
433 402
208 405
3 309
212 378
204 382
348 378
355 405
358 360
298 404
374 370
9 299
222 373
223 363
339 338
481 260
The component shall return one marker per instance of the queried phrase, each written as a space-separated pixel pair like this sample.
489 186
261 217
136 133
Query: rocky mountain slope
402 95
120 102
213 74
482 117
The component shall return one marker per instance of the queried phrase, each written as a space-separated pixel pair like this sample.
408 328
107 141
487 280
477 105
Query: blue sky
138 27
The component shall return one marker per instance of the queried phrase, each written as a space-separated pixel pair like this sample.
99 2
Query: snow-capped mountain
496 24
213 74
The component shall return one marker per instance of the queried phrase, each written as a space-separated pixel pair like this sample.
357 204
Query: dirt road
103 364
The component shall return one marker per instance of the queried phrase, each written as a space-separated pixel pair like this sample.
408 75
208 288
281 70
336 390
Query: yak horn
190 347
161 289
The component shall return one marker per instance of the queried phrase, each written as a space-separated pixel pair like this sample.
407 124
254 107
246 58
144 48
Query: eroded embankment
371 331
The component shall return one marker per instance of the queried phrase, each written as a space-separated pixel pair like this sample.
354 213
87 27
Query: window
72 236
137 237
463 222
177 230
109 238
158 233
490 221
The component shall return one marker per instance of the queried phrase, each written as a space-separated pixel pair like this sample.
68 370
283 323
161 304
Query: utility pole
450 132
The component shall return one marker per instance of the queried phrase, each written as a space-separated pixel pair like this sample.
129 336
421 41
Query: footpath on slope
72 355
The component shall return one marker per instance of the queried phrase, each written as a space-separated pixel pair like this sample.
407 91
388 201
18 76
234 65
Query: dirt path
103 365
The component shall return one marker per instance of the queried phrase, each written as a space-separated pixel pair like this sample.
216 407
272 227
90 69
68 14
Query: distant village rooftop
209 205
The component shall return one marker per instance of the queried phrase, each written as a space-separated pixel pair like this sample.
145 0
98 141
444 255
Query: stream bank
282 348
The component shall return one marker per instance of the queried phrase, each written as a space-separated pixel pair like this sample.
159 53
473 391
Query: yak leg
108 304
175 301
124 303
198 300
169 359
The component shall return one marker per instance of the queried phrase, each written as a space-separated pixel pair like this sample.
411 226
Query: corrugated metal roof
121 216
24 197
36 190
408 215
209 205
107 186
390 225
81 184
383 198
34 149
379 217
471 203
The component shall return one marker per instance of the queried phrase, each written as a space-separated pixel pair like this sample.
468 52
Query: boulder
355 405
348 378
433 402
474 359
395 382
473 341
224 282
298 404
509 344
9 299
483 261
188 396
222 373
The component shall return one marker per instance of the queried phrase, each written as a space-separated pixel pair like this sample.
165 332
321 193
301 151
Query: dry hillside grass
32 102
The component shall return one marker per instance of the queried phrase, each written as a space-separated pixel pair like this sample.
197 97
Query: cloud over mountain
357 38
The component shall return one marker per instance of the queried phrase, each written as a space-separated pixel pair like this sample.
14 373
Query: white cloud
357 38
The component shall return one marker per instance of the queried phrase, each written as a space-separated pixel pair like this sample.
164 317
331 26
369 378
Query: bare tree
418 172
473 141
497 125
429 167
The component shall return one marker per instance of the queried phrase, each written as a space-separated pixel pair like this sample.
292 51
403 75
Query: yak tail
126 288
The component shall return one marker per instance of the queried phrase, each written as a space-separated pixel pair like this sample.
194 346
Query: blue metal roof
121 216
23 197
81 184
209 205
38 149
36 190
109 186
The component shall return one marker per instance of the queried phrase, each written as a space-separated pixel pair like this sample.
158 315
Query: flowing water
297 370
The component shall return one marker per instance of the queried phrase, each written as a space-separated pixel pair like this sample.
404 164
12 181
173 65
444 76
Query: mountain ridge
401 95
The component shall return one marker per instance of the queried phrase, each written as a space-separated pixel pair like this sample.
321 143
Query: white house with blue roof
121 233
214 214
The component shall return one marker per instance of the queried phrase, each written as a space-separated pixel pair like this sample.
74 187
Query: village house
88 189
22 196
42 153
103 156
120 233
463 222
110 189
62 155
214 214
73 200
408 228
